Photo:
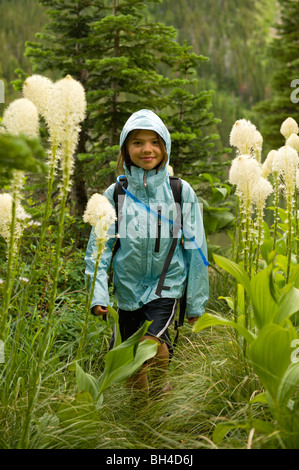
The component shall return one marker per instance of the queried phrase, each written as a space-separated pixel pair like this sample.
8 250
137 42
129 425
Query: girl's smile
144 149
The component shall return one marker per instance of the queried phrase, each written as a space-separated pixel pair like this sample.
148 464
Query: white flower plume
244 173
38 89
262 190
6 217
66 110
293 141
21 117
246 138
267 165
285 163
100 214
67 106
288 127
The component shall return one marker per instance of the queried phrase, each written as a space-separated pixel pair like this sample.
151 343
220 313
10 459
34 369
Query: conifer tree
285 79
125 63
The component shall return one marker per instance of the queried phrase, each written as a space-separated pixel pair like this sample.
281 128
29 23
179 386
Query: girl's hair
124 157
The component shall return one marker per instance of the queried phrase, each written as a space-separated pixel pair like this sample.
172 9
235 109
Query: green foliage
126 63
270 339
283 50
22 153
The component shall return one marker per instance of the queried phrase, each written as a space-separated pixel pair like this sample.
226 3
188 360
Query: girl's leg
156 367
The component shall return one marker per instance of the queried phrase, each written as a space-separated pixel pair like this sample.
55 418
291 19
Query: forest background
234 73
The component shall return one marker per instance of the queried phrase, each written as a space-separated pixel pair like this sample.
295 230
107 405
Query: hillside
233 34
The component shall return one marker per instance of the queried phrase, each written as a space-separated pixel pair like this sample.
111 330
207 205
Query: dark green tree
125 63
283 49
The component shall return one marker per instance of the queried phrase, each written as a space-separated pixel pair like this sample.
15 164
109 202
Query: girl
145 240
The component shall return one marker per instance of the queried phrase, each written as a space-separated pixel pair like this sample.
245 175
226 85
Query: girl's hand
99 310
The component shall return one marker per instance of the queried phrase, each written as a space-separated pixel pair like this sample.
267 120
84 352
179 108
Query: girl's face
144 149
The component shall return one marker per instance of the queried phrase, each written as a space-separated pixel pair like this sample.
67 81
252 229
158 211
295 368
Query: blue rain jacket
138 263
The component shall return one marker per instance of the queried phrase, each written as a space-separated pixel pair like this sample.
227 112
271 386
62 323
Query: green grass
209 387
207 372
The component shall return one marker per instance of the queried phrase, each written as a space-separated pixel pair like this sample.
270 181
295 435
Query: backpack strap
118 202
176 186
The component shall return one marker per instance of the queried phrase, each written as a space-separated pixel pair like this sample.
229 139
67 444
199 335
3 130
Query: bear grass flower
66 110
293 141
285 164
21 117
262 190
244 173
289 127
246 138
100 214
6 203
38 89
267 165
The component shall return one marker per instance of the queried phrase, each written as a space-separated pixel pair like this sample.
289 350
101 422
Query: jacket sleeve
198 279
101 293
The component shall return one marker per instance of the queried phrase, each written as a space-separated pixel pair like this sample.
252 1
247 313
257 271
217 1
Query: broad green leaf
222 429
114 314
288 384
80 413
266 249
294 275
288 303
125 359
217 220
282 262
264 306
228 300
270 354
146 350
234 269
218 194
262 426
260 398
86 382
207 320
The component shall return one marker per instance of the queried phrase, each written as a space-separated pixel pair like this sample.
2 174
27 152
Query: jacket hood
146 119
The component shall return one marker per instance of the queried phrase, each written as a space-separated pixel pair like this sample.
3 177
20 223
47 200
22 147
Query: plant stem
9 275
259 237
276 206
88 303
289 234
25 297
43 346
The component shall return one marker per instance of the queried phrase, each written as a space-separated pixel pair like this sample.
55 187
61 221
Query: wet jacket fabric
145 242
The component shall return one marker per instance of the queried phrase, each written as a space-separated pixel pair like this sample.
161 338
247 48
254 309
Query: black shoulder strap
176 186
118 201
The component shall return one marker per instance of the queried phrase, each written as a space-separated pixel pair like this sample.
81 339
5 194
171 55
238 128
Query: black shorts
160 311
